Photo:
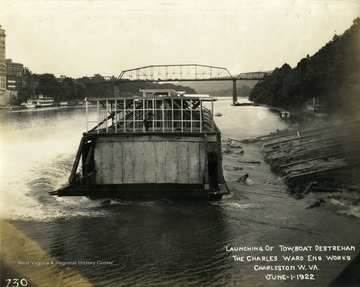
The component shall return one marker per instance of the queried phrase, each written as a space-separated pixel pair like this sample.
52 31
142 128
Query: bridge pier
234 91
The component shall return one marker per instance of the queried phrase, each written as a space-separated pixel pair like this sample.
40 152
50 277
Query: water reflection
35 118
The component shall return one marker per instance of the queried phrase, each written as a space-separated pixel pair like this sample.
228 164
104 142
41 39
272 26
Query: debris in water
317 203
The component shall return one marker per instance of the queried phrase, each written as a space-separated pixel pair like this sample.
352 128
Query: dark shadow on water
178 242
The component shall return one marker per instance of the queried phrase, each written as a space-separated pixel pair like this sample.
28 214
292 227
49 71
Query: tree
49 86
332 74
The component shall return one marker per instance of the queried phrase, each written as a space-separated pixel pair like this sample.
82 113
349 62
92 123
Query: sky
87 37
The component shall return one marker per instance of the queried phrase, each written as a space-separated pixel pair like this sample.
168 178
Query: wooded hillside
332 75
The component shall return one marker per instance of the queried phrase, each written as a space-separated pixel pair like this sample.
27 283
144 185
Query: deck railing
144 114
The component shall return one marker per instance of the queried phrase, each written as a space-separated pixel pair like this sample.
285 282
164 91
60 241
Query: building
2 61
316 105
14 75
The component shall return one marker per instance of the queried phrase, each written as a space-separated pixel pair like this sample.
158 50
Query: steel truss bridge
187 72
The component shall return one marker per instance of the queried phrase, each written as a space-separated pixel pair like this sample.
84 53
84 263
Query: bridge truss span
184 72
253 75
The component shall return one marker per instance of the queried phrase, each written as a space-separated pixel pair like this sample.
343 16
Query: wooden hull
141 165
44 105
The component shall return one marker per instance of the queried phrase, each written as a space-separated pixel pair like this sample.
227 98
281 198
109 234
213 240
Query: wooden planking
171 162
97 160
106 163
182 159
128 162
194 163
118 163
160 167
138 154
149 162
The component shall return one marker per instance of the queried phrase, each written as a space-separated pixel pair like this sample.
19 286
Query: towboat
30 104
42 101
163 144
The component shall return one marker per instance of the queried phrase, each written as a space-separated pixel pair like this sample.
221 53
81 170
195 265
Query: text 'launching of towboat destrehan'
164 143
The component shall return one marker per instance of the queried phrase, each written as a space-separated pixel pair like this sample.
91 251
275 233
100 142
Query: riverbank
12 108
318 160
328 214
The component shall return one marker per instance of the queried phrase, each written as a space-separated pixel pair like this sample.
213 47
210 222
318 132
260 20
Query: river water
161 242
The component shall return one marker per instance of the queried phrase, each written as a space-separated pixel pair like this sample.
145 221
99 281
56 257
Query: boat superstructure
39 102
161 144
30 104
43 101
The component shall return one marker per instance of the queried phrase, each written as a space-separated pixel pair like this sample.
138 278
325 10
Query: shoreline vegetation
75 90
329 78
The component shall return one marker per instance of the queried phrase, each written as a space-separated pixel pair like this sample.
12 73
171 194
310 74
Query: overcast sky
84 37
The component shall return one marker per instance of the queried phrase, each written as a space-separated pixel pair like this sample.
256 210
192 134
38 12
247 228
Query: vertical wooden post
163 115
106 116
89 155
116 116
124 113
182 114
172 115
200 115
153 113
144 114
76 162
191 117
212 114
206 170
133 116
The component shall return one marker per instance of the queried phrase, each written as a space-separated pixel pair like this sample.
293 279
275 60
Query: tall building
14 75
2 61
